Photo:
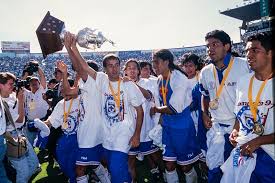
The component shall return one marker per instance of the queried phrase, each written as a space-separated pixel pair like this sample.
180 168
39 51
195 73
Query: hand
62 66
233 136
153 111
134 141
20 95
206 120
248 148
69 40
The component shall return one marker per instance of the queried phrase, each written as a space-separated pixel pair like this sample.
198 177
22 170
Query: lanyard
254 105
219 91
116 95
66 113
164 91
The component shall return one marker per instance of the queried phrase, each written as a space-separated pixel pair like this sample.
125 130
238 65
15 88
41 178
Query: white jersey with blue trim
208 86
89 132
120 123
74 117
265 112
179 97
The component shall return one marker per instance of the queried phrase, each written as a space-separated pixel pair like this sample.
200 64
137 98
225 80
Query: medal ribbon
219 91
116 95
254 105
164 91
69 110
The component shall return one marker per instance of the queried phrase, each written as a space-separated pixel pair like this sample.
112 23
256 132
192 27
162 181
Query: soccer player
218 86
146 147
122 113
179 134
254 109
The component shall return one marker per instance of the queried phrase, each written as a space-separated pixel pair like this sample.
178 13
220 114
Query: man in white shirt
122 113
254 111
35 105
218 86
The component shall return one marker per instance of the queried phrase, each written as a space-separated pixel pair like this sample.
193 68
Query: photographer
35 105
27 163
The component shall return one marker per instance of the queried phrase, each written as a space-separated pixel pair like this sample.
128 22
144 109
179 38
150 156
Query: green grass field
52 174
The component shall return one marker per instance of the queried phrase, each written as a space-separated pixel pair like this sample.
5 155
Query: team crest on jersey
72 125
246 119
110 109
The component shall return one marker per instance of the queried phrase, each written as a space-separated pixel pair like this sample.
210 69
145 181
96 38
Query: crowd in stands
16 64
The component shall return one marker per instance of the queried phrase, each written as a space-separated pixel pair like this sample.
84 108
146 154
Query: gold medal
214 104
258 128
65 125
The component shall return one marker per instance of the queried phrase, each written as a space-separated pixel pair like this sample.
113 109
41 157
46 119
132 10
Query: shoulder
177 76
206 69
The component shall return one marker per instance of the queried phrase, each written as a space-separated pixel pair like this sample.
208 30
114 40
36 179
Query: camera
50 94
31 67
19 83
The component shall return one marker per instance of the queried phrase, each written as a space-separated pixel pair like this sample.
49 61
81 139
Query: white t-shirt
265 109
148 122
90 130
119 124
2 118
35 105
13 110
224 114
74 117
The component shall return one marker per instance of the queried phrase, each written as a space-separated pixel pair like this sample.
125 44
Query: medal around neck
214 104
258 128
51 31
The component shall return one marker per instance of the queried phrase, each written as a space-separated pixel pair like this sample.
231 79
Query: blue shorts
180 145
66 155
41 142
264 170
145 148
89 156
118 166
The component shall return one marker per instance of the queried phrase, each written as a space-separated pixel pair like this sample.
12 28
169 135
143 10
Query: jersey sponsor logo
266 103
231 83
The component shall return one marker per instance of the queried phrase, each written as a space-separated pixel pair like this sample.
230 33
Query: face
160 65
145 72
216 50
7 88
257 56
132 71
34 85
190 69
112 69
51 85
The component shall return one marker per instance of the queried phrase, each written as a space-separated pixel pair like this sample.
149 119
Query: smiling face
257 56
216 50
190 69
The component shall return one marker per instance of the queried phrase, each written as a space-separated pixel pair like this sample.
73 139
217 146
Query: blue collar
226 61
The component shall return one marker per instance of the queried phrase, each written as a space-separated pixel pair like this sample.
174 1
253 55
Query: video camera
31 67
20 83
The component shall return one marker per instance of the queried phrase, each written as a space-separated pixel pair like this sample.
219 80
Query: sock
102 174
172 177
164 177
191 176
82 179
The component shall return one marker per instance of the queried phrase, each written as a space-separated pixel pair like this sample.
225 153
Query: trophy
51 31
